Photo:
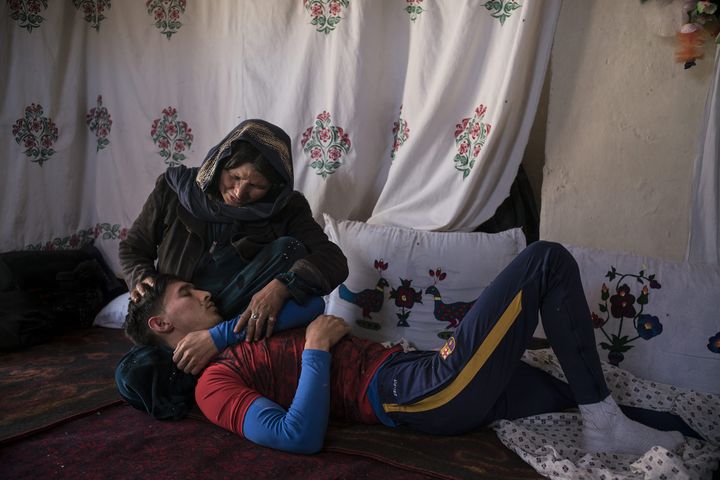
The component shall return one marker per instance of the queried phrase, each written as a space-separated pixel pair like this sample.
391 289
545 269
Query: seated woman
235 227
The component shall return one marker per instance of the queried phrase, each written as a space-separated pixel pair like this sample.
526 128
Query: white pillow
113 314
686 310
458 265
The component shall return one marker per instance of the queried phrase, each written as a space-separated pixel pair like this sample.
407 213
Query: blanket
549 442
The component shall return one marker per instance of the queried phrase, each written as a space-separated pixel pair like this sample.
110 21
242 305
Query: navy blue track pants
477 377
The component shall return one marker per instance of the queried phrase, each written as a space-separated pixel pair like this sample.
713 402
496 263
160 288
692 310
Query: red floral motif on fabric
172 136
470 136
27 12
401 133
622 307
405 297
325 145
93 11
99 121
79 239
36 133
166 14
325 14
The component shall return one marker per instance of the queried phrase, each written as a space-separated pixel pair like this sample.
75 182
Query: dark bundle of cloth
43 293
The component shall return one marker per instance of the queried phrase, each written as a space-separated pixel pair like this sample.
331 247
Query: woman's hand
139 291
325 331
263 309
194 351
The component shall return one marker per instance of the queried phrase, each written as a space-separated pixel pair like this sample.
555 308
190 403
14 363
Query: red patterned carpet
120 443
71 375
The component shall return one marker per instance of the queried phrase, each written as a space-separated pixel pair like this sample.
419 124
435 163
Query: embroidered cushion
414 285
658 319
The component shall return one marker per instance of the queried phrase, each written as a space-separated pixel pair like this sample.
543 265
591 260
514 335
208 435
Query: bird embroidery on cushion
369 300
448 312
452 313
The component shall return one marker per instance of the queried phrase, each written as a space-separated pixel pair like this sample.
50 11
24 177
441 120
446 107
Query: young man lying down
280 392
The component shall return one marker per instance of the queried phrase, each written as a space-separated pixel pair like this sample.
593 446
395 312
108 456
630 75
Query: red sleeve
223 398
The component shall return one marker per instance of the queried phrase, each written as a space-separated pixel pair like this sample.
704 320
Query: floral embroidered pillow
658 319
414 285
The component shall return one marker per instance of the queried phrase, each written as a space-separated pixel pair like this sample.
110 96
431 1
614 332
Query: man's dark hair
150 304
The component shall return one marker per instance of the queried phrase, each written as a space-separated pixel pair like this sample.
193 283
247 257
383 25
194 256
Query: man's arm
301 428
291 315
228 402
196 349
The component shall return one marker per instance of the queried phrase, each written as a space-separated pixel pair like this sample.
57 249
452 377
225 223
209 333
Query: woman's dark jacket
167 230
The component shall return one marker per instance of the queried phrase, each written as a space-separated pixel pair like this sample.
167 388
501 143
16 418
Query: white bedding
549 442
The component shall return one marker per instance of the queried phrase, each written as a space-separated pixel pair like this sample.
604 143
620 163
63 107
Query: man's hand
194 351
263 309
325 331
139 290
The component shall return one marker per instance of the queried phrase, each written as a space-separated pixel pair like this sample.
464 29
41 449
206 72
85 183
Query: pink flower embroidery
470 136
33 6
325 144
460 127
325 135
464 146
334 153
306 136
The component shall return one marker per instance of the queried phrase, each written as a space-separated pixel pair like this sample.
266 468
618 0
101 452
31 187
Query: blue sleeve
292 315
300 429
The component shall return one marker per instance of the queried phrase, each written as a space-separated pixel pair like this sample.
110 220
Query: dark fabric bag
24 321
43 293
148 380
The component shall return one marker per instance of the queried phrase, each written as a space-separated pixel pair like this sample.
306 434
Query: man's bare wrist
317 344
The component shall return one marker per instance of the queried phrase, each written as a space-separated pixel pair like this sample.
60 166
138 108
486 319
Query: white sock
607 429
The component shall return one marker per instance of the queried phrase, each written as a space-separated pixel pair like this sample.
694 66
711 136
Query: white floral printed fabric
409 113
549 442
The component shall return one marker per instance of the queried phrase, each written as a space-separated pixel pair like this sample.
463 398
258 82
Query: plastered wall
621 131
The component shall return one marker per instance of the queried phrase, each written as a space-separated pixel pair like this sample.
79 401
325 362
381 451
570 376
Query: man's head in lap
169 311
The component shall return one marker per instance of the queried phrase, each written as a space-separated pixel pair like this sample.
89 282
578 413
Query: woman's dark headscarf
193 185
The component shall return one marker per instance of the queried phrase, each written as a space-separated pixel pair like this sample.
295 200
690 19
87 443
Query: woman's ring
254 316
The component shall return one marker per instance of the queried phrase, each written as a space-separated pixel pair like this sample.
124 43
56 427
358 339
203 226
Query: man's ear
159 324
